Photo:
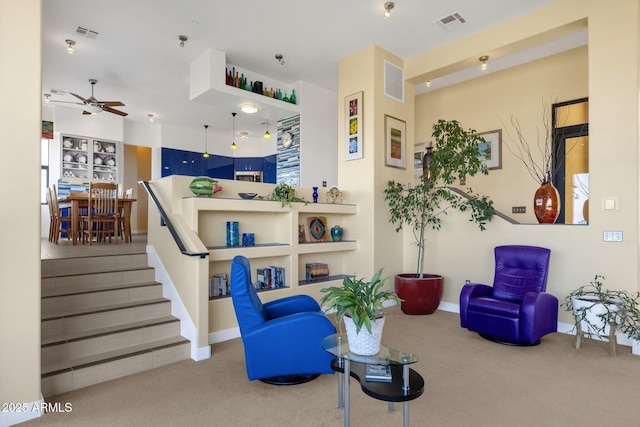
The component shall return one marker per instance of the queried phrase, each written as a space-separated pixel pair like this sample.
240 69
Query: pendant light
205 154
233 140
267 135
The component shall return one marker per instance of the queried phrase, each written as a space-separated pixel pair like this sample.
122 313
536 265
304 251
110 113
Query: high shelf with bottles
91 159
276 231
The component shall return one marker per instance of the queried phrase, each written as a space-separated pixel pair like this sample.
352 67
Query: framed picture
353 124
491 150
418 154
395 139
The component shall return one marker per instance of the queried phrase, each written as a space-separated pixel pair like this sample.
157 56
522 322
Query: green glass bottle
292 98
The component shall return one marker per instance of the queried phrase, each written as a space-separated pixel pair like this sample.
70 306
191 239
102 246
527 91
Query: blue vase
315 194
336 233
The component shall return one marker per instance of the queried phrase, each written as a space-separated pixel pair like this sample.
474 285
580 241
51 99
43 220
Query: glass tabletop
338 345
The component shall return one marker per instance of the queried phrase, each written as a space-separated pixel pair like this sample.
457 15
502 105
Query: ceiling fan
93 106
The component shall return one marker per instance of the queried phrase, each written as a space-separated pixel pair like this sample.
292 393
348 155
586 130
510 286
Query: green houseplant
599 312
454 156
359 303
285 194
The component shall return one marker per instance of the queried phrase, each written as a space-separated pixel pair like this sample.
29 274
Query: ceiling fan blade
66 102
111 103
79 97
111 110
85 112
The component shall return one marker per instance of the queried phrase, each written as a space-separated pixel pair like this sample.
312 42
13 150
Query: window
44 172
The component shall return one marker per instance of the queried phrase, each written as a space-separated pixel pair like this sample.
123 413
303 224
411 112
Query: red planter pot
419 295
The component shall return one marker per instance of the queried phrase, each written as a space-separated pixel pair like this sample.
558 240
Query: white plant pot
364 343
635 347
593 312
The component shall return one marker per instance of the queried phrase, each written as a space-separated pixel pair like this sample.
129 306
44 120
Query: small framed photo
491 149
353 125
395 138
418 154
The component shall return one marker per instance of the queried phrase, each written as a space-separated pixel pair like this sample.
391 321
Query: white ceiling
136 56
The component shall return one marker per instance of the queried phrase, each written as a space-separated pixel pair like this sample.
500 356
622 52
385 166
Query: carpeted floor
469 382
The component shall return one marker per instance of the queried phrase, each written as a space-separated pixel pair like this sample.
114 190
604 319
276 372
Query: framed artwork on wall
491 150
395 139
353 125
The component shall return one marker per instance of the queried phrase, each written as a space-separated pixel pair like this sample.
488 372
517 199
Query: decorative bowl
247 196
203 186
110 149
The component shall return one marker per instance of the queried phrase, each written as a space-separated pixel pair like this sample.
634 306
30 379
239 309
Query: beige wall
20 110
608 74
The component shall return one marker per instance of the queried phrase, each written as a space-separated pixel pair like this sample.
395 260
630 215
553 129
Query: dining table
76 201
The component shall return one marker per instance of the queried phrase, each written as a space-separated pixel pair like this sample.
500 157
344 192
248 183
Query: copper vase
546 203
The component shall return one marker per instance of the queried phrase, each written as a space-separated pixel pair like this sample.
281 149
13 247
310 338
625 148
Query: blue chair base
507 342
290 379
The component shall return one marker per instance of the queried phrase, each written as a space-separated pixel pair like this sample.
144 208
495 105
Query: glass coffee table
405 385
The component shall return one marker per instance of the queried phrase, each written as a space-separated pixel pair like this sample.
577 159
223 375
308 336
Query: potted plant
285 194
454 156
599 312
359 303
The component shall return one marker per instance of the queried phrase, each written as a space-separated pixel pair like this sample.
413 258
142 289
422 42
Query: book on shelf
218 285
270 278
378 373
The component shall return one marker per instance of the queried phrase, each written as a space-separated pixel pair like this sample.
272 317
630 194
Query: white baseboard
226 335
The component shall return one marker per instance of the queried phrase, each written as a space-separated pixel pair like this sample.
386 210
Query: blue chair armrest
290 305
471 290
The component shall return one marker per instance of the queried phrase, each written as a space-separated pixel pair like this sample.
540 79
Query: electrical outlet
612 236
518 209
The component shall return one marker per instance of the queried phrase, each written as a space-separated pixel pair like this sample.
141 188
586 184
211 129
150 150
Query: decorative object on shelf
84 144
203 186
359 303
109 148
334 195
336 233
81 158
455 155
233 233
68 158
601 312
353 125
247 196
301 234
395 142
315 194
378 373
546 203
67 143
285 194
96 146
111 161
248 239
97 160
318 228
316 270
293 98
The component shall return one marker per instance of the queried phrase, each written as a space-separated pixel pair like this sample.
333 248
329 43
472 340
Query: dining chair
59 221
103 216
124 230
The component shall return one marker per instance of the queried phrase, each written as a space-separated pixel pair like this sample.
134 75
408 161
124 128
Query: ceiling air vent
57 92
451 21
85 32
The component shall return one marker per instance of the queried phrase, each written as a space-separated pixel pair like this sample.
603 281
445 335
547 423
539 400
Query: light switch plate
612 236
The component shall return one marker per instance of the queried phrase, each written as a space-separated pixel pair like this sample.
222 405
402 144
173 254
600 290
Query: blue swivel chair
281 338
517 309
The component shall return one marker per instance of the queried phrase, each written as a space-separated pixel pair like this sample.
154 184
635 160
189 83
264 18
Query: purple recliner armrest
471 290
539 316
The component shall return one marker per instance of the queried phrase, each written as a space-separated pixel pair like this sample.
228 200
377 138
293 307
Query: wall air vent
85 32
57 92
451 21
393 81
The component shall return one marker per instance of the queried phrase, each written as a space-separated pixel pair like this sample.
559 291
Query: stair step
86 282
67 305
95 264
66 351
120 314
115 364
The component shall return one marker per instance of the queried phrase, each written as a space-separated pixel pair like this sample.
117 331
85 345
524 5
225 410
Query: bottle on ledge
292 98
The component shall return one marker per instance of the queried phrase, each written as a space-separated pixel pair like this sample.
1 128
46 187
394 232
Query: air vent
451 21
58 92
85 32
393 81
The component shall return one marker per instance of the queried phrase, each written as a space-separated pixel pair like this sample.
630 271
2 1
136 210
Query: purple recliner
516 310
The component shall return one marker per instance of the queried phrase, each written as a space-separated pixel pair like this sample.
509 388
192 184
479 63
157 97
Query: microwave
253 176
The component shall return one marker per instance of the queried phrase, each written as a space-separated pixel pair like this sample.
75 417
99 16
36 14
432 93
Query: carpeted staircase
104 318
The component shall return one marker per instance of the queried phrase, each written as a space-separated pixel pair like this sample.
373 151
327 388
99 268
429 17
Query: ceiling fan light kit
249 108
93 106
70 44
